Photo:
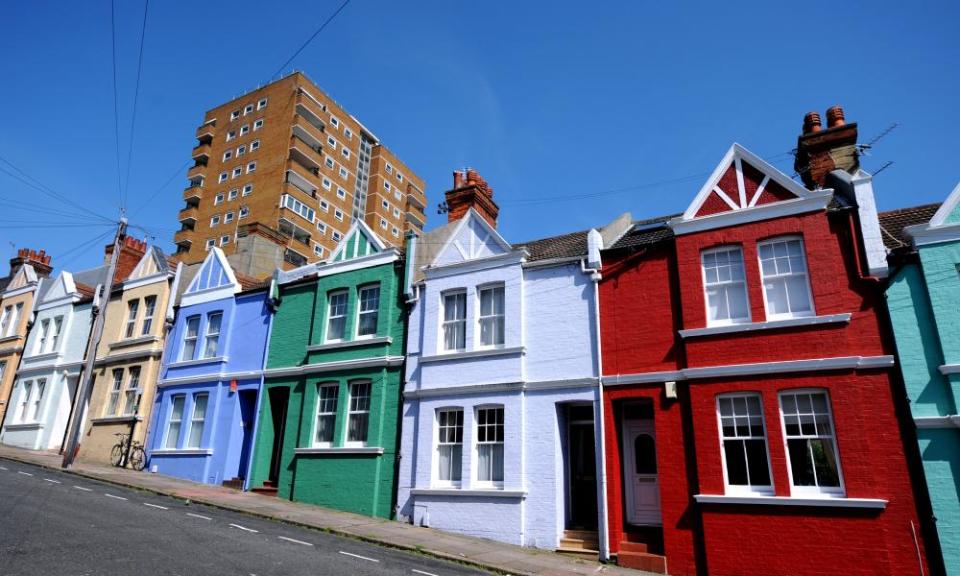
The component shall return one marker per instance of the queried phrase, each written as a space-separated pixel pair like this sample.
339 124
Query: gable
949 211
215 272
359 241
745 188
149 265
62 286
473 239
24 277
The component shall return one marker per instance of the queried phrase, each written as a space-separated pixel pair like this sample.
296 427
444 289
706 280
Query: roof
646 233
564 246
249 283
893 222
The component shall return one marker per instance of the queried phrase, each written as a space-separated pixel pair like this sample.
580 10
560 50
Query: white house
500 416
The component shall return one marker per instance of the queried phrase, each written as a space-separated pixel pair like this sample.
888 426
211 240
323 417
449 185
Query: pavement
353 529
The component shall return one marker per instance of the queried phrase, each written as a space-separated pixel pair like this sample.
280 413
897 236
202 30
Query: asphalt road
54 524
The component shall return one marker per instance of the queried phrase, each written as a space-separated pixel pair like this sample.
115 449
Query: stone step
643 561
235 483
579 544
579 552
627 546
582 534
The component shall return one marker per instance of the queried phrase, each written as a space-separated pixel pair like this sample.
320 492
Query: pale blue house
924 302
204 415
500 413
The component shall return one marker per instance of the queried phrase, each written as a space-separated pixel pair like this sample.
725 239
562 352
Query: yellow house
128 358
17 294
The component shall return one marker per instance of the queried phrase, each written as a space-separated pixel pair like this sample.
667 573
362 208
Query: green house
328 422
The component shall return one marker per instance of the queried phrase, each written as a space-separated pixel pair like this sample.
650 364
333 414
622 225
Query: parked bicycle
123 447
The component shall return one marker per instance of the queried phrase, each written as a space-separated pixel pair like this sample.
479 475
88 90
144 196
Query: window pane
358 421
337 316
736 462
326 413
756 451
176 417
211 347
784 271
811 445
197 421
744 441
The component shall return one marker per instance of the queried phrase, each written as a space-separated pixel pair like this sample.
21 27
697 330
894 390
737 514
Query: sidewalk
484 554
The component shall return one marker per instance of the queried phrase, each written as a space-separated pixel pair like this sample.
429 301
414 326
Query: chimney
821 151
40 261
470 190
131 252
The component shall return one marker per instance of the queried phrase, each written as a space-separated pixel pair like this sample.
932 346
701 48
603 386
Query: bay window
455 320
491 316
786 287
449 446
490 445
725 286
743 438
812 456
336 316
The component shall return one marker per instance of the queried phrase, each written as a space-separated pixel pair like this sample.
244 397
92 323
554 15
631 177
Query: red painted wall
646 296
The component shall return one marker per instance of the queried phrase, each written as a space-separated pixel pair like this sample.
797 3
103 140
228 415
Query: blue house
204 415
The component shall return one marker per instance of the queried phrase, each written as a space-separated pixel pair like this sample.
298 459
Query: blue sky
546 99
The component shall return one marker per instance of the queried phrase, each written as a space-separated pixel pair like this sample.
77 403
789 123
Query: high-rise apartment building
280 173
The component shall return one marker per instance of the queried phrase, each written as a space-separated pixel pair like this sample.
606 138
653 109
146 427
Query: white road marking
52 481
245 528
422 572
199 516
84 489
155 506
294 541
24 473
2 468
359 556
112 496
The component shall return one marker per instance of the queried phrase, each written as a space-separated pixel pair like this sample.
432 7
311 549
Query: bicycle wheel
137 458
116 455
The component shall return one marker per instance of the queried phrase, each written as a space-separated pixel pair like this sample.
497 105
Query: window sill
133 342
10 338
116 419
44 356
25 426
826 502
368 450
350 343
473 493
771 325
214 360
182 452
474 354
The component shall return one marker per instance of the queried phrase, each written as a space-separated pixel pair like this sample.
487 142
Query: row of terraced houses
765 383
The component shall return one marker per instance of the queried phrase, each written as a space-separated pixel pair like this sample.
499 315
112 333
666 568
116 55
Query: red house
750 423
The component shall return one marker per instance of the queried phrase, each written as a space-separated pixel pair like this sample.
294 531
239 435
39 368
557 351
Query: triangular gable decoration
150 265
472 239
742 181
62 286
25 276
949 212
359 241
215 272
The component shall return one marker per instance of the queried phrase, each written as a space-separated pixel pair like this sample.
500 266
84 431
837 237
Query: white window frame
244 129
326 412
337 236
209 336
361 312
116 387
812 491
234 192
492 482
214 220
227 155
749 488
244 212
231 135
241 150
255 145
218 199
502 317
210 243
247 189
444 323
235 114
224 240
25 395
706 299
341 193
187 338
251 167
455 473
182 398
228 217
149 310
200 421
42 341
358 406
806 274
133 312
261 104
331 316
237 172
39 390
133 393
248 109
223 177
338 214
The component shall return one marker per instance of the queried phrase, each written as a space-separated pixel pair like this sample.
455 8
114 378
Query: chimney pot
811 123
470 190
835 117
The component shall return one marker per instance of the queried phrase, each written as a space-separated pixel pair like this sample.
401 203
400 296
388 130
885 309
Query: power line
136 95
41 187
309 40
162 186
116 113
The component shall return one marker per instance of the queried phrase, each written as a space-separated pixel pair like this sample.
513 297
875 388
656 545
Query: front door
248 407
583 469
279 397
641 481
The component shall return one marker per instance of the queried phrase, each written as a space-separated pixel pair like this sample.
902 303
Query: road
54 524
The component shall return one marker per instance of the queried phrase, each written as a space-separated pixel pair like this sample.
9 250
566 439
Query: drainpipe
594 244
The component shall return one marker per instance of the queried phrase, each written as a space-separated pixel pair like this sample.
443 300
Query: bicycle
138 458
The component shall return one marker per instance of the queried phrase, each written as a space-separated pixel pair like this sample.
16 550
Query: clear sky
546 99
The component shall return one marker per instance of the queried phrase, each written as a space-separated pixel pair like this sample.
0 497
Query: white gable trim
925 234
139 272
813 203
146 280
359 226
325 268
508 259
451 238
193 296
735 156
24 280
946 208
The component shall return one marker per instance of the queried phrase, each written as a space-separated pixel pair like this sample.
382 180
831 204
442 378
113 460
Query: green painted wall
924 304
362 483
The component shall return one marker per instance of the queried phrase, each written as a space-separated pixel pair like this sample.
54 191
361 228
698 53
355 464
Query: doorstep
481 553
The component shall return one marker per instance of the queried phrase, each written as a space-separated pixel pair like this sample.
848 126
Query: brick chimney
470 190
820 151
40 261
131 252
